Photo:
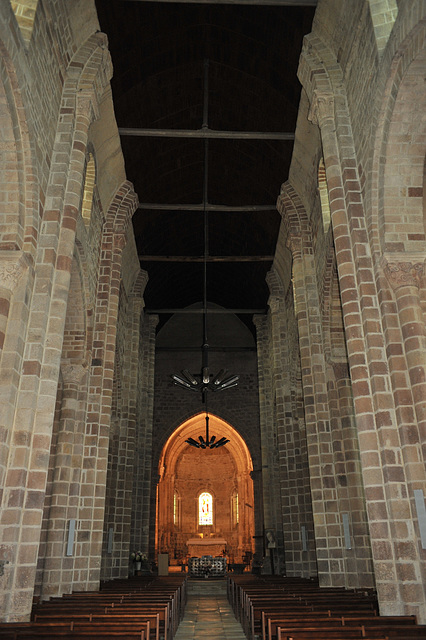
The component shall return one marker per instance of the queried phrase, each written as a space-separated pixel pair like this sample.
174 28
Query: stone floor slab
208 613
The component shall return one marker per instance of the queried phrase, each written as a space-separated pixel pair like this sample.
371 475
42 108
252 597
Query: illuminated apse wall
205 500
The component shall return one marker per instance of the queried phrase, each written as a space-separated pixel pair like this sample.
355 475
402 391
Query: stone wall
60 288
359 82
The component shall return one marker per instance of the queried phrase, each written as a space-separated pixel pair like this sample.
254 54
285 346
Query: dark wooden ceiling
159 51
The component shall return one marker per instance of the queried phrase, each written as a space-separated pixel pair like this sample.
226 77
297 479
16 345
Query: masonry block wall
357 111
60 279
332 395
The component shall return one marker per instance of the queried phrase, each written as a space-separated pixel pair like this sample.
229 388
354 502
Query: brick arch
121 209
318 72
292 211
195 426
186 417
217 471
88 75
20 228
92 67
139 283
400 58
402 191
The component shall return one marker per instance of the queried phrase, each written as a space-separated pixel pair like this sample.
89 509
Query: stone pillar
356 548
256 476
101 382
296 508
13 266
405 279
38 363
385 482
280 381
58 575
266 427
144 491
121 503
325 505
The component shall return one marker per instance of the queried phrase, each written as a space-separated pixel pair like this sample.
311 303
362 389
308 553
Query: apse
205 503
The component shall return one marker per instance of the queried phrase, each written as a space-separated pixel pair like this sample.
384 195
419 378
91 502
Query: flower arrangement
138 556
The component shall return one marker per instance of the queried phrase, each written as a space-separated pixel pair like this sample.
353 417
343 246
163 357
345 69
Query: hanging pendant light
205 382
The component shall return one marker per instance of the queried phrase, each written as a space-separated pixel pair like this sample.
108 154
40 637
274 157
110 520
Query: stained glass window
205 508
175 508
235 509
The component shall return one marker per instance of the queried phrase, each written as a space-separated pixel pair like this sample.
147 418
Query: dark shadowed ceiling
162 81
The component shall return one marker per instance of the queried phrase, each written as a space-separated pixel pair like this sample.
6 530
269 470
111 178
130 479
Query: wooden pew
145 610
281 610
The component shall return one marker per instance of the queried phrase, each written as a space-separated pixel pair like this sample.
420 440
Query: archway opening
205 501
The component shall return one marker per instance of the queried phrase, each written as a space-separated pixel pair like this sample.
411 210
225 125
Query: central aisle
208 613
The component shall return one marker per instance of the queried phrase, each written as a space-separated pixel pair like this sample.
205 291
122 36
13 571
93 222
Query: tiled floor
208 613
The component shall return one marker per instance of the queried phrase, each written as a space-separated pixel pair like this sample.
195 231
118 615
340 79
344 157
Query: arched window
176 508
323 193
205 508
235 509
89 185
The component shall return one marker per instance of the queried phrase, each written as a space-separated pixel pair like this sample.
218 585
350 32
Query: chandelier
205 381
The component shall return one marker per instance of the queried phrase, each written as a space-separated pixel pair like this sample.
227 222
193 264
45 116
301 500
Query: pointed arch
20 225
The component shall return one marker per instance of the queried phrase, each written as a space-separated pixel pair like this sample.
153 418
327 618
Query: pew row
279 608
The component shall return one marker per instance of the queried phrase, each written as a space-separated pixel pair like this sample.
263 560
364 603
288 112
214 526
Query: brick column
397 561
262 324
144 490
325 506
295 499
13 266
34 399
256 476
102 378
405 279
121 502
279 359
356 548
58 570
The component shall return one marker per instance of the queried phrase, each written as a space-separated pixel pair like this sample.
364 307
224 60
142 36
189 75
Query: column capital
12 265
87 104
119 240
274 303
322 107
403 273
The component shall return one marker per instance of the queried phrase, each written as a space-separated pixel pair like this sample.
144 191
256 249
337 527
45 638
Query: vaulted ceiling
191 80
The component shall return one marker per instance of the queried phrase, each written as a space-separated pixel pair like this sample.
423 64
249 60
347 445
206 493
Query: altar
198 547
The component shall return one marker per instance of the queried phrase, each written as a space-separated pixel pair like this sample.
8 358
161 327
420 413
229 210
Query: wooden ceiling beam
154 206
284 3
146 258
209 310
205 133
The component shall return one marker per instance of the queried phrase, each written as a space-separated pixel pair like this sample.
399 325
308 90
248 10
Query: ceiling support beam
205 133
147 258
153 206
210 311
284 3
